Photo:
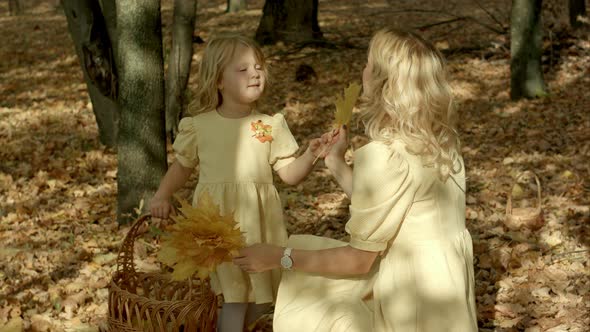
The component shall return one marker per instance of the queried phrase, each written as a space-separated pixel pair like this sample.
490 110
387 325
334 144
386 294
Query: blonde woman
237 149
409 263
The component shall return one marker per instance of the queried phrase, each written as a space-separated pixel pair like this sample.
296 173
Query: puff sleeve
283 145
382 193
185 144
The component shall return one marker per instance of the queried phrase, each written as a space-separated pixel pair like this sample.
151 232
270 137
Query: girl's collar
252 112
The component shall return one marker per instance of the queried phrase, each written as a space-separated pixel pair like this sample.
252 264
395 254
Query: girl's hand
318 148
259 258
161 207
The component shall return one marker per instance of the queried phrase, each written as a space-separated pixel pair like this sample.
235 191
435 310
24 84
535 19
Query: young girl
236 149
409 250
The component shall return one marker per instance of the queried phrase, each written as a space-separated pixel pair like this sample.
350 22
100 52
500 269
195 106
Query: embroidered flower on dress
261 131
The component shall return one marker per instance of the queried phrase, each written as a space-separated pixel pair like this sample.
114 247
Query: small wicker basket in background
152 302
528 217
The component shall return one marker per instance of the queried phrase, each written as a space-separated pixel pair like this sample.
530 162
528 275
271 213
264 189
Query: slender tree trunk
290 21
142 134
89 33
576 8
526 75
179 62
14 7
234 6
109 11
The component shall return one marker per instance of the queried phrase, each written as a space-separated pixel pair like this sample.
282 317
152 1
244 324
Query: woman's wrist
277 257
332 161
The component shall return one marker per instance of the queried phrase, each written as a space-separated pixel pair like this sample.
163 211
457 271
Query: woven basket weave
152 302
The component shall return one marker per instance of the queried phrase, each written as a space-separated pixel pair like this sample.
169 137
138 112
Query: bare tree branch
426 26
490 14
467 18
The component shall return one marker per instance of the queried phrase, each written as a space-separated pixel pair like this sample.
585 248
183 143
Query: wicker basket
529 217
152 302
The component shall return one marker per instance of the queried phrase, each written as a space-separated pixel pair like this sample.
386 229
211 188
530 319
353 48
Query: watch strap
287 252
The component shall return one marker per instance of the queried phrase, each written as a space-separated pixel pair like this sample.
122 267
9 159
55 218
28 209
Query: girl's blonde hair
408 96
219 51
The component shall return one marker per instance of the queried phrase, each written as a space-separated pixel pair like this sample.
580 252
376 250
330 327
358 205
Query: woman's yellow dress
236 158
422 281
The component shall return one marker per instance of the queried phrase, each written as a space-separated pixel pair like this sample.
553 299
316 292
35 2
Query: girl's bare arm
175 178
297 170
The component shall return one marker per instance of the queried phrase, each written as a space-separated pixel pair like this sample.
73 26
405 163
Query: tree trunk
526 75
89 33
234 6
576 8
14 7
179 63
290 21
142 133
109 12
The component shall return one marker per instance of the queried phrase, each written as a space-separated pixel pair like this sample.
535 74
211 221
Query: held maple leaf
200 239
344 108
345 105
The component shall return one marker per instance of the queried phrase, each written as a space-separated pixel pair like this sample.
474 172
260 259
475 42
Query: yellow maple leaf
200 239
345 105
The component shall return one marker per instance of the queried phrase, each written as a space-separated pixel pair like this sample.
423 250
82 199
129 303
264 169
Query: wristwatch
286 260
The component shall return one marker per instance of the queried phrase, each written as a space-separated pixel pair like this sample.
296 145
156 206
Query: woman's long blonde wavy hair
408 97
219 51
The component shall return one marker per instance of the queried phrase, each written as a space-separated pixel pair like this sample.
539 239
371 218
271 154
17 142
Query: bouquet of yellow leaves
200 239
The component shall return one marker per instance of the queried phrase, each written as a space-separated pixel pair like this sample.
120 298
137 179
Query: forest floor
58 234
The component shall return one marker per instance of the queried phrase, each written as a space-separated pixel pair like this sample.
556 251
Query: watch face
286 262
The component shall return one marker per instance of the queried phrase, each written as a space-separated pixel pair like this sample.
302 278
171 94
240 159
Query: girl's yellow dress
423 279
236 158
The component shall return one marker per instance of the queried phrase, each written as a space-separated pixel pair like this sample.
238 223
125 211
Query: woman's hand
259 258
161 207
321 147
338 141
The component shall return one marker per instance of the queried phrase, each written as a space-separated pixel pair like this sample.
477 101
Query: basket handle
539 198
125 257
